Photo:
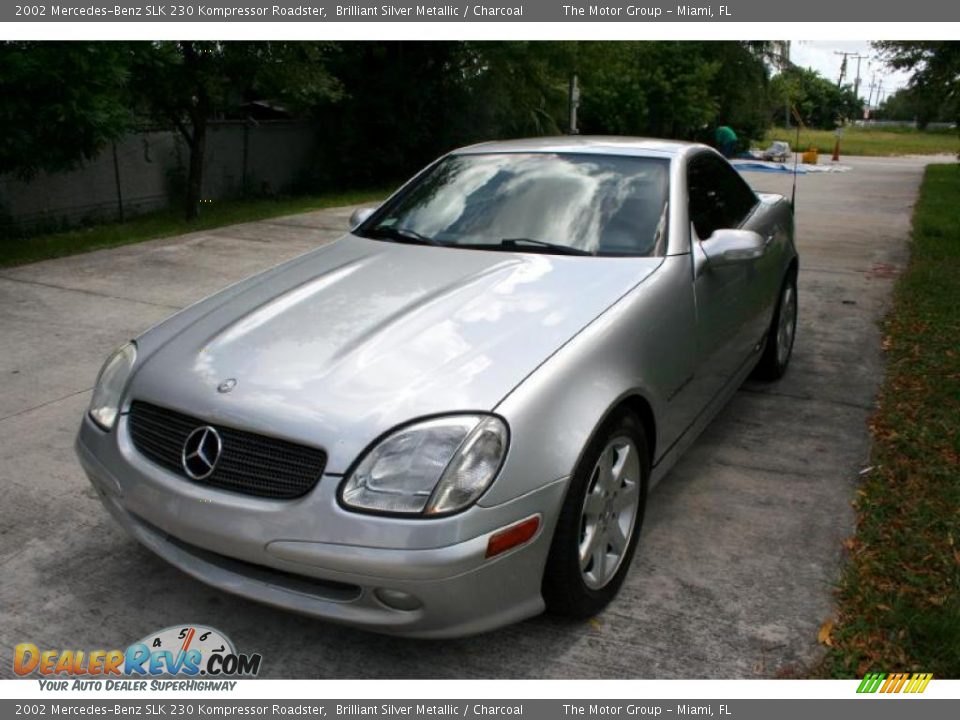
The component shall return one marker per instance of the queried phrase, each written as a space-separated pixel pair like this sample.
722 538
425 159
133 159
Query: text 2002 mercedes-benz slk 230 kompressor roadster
450 418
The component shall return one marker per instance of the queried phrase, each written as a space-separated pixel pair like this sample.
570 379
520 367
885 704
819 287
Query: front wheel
600 521
779 346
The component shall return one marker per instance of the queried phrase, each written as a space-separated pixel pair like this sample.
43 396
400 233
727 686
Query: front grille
249 463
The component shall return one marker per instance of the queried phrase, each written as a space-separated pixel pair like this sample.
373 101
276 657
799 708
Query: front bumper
311 556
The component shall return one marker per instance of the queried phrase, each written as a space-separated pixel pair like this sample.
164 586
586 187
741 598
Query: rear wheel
779 346
600 521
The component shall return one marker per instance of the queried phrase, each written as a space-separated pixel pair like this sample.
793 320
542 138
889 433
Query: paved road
740 548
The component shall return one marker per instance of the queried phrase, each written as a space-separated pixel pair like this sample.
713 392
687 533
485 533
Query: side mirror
731 247
360 215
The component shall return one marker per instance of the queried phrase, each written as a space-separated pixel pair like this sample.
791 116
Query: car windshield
537 202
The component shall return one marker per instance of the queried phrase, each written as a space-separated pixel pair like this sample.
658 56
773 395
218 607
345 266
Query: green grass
899 598
858 141
17 251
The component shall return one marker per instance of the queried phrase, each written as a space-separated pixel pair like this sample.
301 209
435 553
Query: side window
740 198
719 197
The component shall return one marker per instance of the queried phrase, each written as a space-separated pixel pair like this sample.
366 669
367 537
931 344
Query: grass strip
870 141
165 223
899 597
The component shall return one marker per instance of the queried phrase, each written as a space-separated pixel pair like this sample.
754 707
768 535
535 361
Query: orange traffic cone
836 151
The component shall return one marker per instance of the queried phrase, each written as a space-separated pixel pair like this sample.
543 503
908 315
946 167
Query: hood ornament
227 385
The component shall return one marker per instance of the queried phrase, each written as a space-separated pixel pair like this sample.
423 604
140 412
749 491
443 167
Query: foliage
407 102
680 90
399 102
61 102
916 104
662 89
517 88
935 65
901 105
186 83
741 87
900 595
384 109
820 103
404 103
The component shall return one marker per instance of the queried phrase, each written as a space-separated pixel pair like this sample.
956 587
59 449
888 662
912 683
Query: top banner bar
321 11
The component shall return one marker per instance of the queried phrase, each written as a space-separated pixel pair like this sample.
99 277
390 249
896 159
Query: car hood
350 340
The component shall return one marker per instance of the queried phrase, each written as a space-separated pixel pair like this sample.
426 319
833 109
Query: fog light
514 535
397 599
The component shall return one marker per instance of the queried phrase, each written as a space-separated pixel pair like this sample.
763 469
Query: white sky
819 56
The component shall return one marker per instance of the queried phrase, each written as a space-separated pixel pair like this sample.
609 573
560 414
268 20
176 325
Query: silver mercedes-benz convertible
450 418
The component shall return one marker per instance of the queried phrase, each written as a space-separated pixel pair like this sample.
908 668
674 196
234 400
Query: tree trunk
195 176
197 138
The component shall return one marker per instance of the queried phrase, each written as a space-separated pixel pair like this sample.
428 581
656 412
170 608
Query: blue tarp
767 167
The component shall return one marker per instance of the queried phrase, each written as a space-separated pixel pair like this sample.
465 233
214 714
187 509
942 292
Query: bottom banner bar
874 707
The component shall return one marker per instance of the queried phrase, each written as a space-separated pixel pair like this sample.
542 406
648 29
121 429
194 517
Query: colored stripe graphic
919 682
871 682
894 682
903 679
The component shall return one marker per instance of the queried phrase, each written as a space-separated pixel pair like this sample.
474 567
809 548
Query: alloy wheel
788 323
609 514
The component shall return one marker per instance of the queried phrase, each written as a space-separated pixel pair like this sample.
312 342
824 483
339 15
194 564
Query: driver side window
718 196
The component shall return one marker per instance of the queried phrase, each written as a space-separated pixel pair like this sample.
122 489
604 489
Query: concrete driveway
741 545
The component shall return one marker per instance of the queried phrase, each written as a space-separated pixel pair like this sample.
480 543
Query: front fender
644 345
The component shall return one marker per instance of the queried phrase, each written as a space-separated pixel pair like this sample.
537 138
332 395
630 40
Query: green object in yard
726 140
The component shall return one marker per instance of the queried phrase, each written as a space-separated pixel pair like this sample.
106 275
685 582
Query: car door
725 298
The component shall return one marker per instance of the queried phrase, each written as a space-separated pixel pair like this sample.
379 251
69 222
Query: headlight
110 383
434 467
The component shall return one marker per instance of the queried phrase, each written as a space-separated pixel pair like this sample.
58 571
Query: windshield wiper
517 243
403 235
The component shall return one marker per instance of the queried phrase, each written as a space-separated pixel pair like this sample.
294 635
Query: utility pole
843 64
856 82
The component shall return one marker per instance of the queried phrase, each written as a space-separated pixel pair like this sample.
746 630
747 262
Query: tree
406 102
820 103
62 101
646 88
901 105
673 89
381 109
518 87
918 104
740 85
935 65
188 83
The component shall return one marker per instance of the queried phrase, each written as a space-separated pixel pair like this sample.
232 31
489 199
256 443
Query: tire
595 514
780 338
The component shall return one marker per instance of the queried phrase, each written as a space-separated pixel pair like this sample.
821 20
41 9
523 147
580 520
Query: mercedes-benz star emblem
227 385
201 452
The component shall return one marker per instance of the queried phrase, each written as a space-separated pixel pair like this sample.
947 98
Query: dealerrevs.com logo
181 651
